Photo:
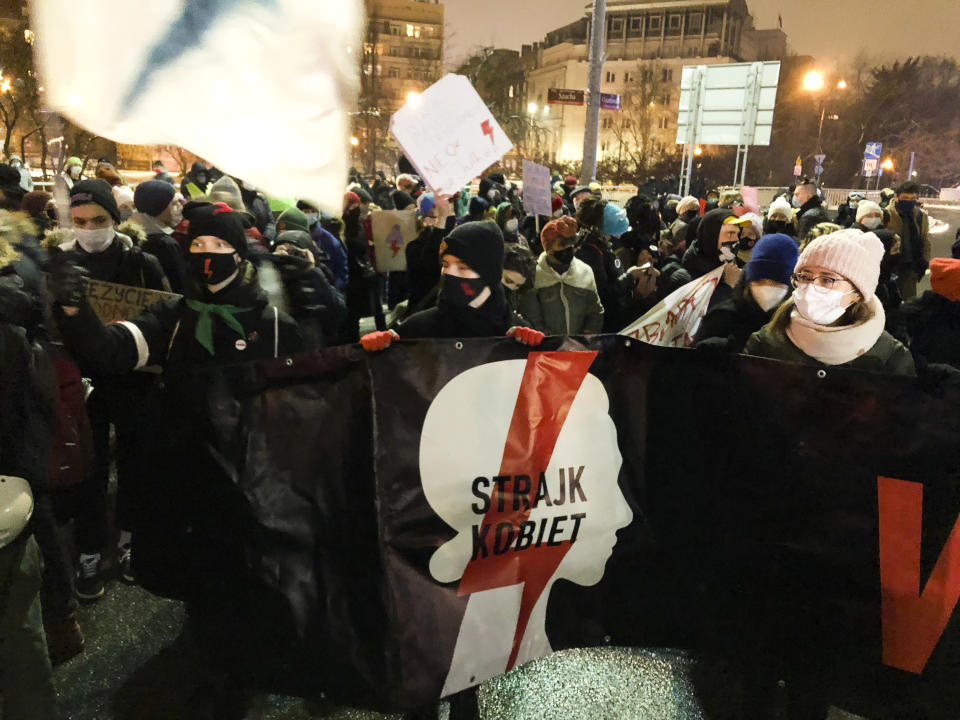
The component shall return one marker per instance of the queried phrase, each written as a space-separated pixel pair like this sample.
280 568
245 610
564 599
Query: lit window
409 30
510 92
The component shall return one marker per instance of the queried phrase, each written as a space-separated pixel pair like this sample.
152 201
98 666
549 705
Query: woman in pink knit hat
834 317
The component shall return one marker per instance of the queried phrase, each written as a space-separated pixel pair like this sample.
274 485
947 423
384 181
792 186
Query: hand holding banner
674 321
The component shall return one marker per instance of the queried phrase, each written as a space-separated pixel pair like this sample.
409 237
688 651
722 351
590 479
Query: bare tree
634 126
183 157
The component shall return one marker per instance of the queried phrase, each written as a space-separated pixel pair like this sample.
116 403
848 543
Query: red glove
526 335
379 340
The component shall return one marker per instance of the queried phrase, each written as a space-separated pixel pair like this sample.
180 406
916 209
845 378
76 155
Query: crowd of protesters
253 278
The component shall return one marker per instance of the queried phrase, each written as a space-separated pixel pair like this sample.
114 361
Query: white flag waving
256 87
674 321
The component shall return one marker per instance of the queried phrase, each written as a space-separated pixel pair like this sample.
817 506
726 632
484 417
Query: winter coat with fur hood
566 304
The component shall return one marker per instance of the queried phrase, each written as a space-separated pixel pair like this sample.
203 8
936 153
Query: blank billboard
736 103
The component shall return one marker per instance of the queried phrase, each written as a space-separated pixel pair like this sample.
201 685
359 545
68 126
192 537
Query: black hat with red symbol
217 220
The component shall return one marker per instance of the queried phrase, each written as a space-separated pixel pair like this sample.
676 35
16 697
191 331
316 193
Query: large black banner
410 523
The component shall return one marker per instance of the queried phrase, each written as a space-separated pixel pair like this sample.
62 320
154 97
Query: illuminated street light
532 108
888 164
698 150
354 141
546 110
5 85
813 81
842 85
413 98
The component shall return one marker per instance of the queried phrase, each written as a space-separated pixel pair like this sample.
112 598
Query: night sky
831 31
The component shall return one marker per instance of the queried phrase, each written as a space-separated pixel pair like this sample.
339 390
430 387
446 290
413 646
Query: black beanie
218 220
152 197
95 192
479 245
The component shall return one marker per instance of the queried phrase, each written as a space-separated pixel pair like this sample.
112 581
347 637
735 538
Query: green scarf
206 311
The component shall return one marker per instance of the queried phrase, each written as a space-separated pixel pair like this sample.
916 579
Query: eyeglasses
822 281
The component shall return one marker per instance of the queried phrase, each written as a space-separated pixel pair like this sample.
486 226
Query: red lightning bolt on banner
551 381
488 130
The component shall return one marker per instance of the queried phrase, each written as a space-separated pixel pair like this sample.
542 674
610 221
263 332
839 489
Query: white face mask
820 305
512 225
312 218
94 241
768 296
726 254
74 171
871 222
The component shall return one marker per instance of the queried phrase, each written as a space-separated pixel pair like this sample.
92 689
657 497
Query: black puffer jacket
122 262
492 319
933 326
811 213
729 323
165 334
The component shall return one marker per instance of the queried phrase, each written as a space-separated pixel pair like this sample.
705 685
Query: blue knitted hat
774 257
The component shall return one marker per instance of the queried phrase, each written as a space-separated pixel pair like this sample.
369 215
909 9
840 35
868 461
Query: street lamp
888 164
532 108
413 98
354 140
698 151
813 81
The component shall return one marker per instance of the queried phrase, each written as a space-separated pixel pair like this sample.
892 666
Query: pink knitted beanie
851 253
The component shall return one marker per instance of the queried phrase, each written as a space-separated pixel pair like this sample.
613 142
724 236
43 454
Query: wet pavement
137 666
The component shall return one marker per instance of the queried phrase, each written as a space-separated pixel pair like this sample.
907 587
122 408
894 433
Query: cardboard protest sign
751 198
113 302
449 134
536 189
674 321
392 230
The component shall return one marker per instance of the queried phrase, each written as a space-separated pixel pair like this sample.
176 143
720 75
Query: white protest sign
537 194
392 230
674 321
449 134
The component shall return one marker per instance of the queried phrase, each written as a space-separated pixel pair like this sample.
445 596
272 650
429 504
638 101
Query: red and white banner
674 321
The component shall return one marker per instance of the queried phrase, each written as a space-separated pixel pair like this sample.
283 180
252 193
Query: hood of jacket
141 225
579 275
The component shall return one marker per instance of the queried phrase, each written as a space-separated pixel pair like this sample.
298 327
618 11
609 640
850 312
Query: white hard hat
16 507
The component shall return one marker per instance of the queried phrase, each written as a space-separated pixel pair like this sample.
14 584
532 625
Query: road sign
561 96
870 166
819 159
872 151
818 170
609 101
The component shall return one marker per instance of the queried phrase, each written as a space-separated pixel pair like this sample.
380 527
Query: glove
526 335
66 282
380 340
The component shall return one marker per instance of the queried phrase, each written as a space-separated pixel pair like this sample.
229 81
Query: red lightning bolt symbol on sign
488 130
550 382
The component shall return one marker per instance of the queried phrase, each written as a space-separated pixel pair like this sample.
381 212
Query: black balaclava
708 232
